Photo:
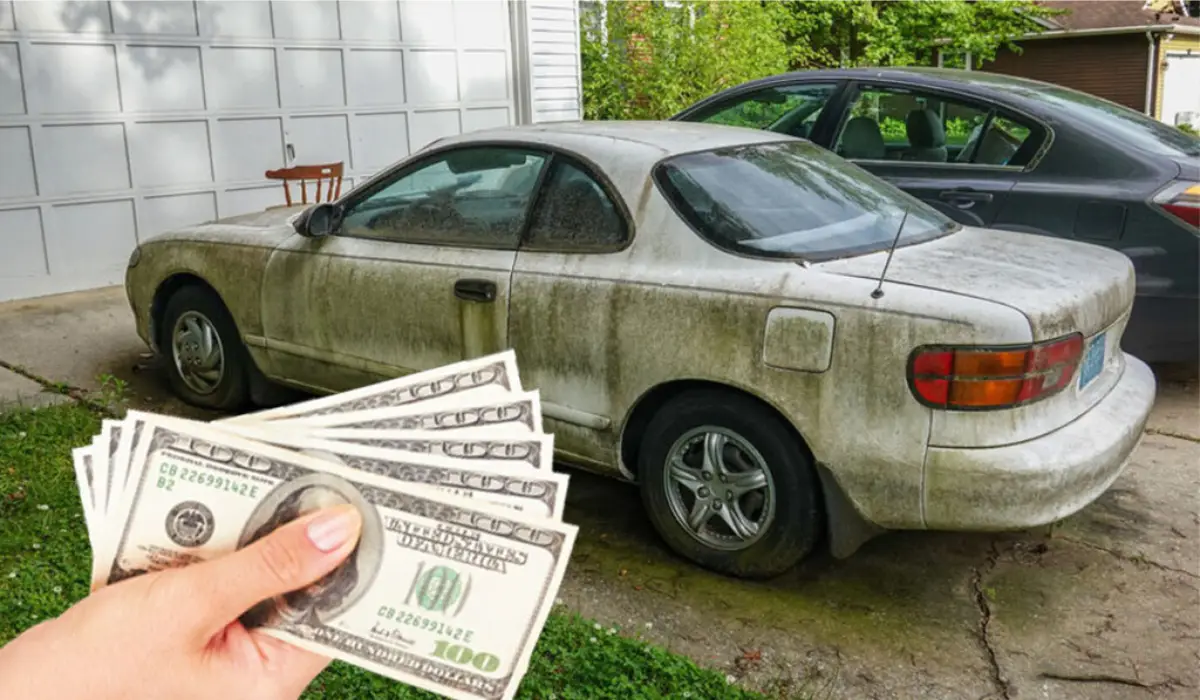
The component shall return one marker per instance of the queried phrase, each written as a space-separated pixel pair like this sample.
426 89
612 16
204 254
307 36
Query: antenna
878 291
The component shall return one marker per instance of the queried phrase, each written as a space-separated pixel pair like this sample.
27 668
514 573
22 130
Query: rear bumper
1045 479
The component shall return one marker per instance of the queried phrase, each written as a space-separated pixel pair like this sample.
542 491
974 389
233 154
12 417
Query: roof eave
1136 29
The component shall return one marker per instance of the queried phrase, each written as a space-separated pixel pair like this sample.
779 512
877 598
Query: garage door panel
484 75
235 18
431 76
480 23
250 199
161 78
82 159
167 212
426 23
16 154
241 78
320 139
243 149
21 240
82 16
90 236
12 96
73 78
485 118
6 15
379 139
311 78
371 20
375 77
425 127
168 154
162 17
314 19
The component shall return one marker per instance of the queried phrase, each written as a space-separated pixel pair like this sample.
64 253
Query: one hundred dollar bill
469 380
532 450
517 412
441 593
85 478
540 493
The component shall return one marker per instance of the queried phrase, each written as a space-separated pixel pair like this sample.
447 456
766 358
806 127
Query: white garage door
1181 88
119 120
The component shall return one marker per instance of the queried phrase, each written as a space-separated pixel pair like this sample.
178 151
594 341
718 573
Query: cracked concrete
1104 605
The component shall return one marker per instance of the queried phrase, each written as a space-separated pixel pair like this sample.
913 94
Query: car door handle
475 290
965 195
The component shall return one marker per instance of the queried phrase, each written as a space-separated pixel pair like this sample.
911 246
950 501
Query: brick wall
1112 67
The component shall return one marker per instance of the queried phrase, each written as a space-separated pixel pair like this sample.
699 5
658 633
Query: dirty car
778 347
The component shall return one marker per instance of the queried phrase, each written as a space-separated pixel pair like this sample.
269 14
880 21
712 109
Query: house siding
1112 67
1186 43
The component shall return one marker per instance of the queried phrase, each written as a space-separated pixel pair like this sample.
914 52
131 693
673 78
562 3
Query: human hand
175 633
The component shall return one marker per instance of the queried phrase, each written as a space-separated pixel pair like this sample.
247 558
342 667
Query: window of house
475 197
574 213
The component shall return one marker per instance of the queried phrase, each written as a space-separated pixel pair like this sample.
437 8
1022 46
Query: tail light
974 378
1181 200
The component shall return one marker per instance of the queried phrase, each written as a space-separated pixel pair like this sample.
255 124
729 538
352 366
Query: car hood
266 227
1061 286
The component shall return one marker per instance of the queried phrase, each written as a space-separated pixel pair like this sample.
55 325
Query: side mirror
322 220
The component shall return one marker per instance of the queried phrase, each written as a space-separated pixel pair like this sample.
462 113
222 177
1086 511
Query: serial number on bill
171 475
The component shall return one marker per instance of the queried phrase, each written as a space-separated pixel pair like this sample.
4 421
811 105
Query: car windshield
1124 125
793 200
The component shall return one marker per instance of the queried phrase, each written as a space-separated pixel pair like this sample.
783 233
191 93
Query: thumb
288 559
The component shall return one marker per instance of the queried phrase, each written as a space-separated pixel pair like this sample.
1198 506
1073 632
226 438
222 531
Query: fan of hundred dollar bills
463 546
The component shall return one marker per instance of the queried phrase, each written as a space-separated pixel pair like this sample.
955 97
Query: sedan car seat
926 137
862 139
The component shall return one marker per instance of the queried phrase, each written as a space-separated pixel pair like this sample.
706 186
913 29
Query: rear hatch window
792 199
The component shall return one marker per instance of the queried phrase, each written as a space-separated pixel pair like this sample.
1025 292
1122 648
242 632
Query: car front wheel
728 486
206 361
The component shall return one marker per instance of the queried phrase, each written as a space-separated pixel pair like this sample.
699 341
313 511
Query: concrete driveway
1105 605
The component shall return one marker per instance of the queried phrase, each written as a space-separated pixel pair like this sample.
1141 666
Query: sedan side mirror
322 220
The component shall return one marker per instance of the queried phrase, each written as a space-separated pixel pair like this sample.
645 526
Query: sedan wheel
198 353
728 484
719 488
208 364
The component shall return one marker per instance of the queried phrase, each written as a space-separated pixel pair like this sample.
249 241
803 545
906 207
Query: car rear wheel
728 486
206 361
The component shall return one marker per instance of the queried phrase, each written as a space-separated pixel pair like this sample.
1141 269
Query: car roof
602 141
982 84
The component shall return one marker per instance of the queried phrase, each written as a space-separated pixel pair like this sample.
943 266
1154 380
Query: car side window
790 109
575 213
476 197
908 125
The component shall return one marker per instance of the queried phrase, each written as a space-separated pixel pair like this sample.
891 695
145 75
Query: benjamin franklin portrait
331 595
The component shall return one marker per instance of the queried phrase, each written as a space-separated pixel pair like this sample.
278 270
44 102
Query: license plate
1093 361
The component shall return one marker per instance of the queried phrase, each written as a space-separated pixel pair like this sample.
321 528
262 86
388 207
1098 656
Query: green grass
45 558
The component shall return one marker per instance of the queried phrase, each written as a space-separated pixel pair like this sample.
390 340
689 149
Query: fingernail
332 530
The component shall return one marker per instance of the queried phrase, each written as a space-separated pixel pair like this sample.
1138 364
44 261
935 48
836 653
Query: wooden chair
305 173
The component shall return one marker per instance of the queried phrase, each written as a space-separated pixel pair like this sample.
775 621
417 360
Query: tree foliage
645 59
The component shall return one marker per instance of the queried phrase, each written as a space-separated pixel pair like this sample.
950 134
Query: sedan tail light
974 378
1182 200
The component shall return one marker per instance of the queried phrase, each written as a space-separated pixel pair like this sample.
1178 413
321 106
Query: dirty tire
232 391
797 521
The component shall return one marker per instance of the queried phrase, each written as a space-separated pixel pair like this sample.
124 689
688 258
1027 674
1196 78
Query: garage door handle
965 196
475 290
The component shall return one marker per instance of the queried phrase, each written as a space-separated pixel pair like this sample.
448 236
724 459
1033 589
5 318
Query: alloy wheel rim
719 488
198 352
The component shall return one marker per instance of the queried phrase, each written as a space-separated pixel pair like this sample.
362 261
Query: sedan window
793 200
789 109
900 124
575 214
468 197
